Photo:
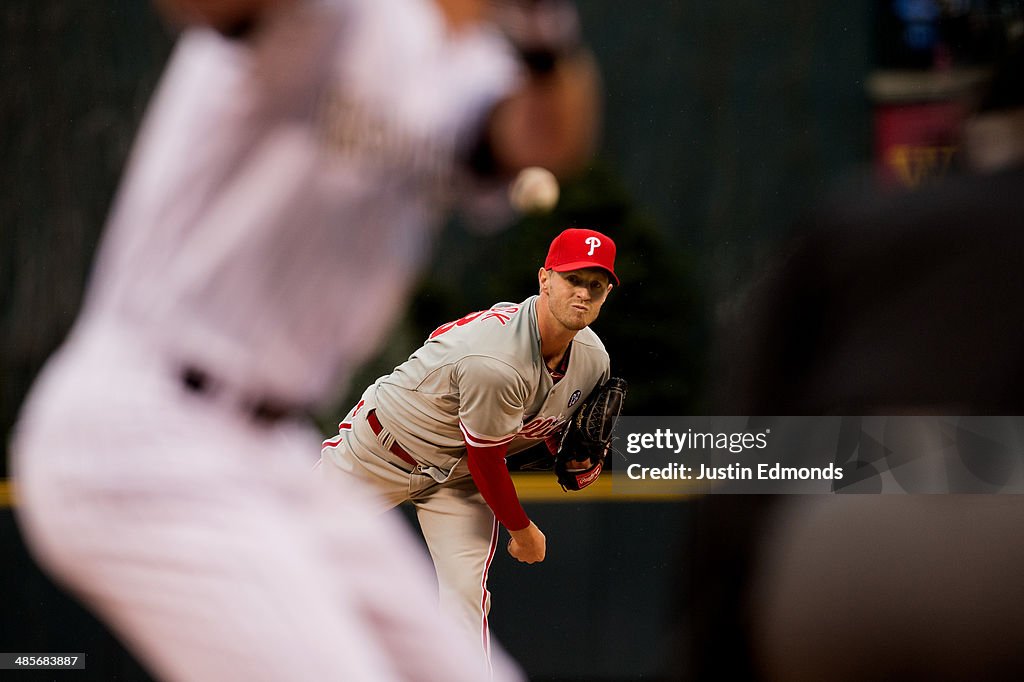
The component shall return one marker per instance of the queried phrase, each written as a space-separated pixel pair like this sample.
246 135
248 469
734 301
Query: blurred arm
553 119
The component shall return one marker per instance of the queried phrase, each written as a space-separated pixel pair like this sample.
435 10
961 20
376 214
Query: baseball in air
535 190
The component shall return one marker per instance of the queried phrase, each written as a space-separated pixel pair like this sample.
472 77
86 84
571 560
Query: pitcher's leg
462 535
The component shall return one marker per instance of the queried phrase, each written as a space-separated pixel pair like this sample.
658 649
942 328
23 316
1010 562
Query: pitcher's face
575 297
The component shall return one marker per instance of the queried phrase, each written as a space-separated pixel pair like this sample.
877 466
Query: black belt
261 409
396 449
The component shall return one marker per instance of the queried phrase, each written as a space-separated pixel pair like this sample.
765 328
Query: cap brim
580 264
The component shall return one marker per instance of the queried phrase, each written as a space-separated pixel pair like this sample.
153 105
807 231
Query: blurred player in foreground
436 430
279 201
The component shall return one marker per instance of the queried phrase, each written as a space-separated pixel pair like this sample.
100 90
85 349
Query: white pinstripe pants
206 542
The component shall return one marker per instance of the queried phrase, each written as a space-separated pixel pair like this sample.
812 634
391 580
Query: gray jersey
482 380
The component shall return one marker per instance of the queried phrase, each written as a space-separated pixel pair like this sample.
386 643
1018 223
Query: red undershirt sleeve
487 466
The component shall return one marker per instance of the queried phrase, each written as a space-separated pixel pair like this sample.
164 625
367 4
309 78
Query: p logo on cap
575 249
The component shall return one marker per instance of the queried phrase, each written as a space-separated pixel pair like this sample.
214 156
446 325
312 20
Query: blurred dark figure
893 300
888 303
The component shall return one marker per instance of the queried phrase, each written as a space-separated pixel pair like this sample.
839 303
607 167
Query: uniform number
502 315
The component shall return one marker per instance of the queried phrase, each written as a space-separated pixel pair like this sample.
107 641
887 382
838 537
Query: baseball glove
588 437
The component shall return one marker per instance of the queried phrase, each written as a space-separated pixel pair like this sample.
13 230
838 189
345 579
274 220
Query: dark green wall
726 119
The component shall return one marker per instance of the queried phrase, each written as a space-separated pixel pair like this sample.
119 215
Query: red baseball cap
576 249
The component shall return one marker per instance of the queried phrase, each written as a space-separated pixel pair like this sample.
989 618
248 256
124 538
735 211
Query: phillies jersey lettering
540 428
482 380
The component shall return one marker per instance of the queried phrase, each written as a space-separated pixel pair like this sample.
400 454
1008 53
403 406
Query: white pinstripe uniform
156 474
480 380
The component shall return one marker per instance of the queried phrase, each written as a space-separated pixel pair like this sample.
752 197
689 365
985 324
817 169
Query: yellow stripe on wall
6 494
543 487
